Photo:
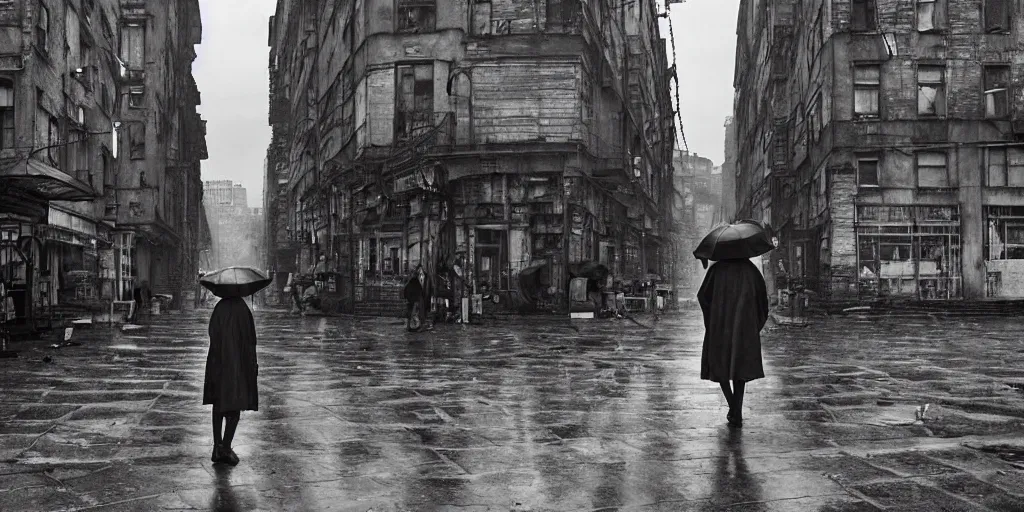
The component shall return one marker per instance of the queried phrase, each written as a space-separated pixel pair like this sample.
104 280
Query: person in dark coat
418 293
231 371
734 300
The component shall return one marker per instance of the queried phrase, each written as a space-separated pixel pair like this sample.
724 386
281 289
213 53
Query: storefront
1004 251
909 251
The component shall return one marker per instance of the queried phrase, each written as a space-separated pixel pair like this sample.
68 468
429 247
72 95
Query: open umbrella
740 240
235 281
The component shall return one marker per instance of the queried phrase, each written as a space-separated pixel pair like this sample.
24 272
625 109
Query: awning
17 202
45 181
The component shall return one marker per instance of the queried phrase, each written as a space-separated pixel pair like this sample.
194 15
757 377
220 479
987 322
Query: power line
675 76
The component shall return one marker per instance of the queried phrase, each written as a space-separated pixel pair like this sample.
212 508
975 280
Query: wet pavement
358 415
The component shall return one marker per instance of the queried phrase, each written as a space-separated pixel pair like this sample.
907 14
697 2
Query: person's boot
218 454
230 457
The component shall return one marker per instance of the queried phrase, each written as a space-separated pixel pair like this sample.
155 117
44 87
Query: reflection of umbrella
740 240
235 281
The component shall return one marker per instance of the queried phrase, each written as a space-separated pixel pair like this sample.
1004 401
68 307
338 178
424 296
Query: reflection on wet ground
357 414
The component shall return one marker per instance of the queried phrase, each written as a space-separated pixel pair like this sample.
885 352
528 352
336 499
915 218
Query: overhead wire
675 77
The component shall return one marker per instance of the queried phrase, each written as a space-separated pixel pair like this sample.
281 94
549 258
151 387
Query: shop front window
1004 251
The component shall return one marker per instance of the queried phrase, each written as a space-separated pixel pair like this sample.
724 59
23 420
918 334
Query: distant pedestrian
734 300
418 294
231 371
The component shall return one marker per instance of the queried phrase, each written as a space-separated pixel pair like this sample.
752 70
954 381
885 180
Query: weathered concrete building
236 230
697 208
77 80
883 140
494 135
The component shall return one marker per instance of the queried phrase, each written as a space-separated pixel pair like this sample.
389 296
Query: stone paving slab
358 415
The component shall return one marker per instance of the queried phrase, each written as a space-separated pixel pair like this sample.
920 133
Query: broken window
997 81
931 170
997 16
43 28
931 91
862 17
133 46
414 111
867 171
137 141
415 16
7 115
1004 167
931 15
866 84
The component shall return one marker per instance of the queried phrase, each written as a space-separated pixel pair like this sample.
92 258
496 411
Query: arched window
6 114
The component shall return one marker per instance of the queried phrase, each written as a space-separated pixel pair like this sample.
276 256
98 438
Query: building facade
82 195
884 144
495 136
729 173
697 208
236 230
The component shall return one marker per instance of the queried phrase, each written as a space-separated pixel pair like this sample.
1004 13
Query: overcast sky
231 72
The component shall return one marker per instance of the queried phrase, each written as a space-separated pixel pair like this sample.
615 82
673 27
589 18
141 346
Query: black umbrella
740 240
235 281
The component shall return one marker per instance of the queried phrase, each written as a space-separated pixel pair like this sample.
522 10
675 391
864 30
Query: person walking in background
231 371
734 300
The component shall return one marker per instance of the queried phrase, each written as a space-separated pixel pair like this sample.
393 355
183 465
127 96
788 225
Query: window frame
938 15
862 85
8 117
1007 167
870 16
869 157
988 91
42 31
408 6
987 22
398 100
918 167
940 85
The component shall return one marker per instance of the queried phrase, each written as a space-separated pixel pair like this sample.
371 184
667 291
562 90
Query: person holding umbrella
231 367
734 300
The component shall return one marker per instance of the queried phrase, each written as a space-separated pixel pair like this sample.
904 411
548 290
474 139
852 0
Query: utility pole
566 218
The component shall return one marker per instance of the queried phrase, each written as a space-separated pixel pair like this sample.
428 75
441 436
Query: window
931 15
931 91
53 141
415 16
814 117
81 148
137 141
414 110
559 15
866 84
133 46
7 115
1004 167
997 80
997 16
867 171
931 170
863 16
104 97
137 97
43 28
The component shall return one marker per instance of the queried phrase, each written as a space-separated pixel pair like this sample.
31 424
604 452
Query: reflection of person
734 300
231 371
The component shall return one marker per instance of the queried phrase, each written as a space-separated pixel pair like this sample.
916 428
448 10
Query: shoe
230 457
735 420
218 454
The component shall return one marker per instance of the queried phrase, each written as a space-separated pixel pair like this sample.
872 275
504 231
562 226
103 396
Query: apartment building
883 141
84 196
496 136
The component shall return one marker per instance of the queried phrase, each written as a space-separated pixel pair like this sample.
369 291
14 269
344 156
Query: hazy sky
231 72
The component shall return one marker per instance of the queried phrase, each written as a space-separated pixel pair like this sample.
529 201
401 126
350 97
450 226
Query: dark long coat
231 367
734 300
